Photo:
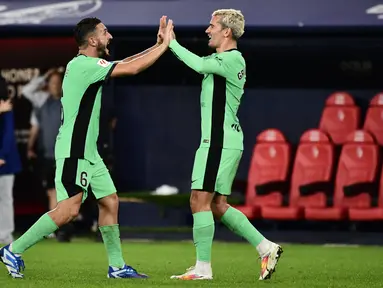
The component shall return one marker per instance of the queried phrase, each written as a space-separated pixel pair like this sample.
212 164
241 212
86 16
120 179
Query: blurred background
312 114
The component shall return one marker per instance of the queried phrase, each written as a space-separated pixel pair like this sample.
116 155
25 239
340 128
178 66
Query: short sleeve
98 69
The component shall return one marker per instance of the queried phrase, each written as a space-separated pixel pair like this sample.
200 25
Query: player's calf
219 206
203 234
66 210
237 222
108 209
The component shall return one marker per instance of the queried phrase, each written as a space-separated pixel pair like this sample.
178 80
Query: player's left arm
213 65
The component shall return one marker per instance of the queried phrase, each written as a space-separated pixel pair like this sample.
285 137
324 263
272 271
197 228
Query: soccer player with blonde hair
220 151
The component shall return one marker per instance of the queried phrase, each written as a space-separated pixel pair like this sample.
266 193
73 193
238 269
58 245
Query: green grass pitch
83 264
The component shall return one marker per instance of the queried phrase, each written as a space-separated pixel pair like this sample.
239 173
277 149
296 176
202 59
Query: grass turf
83 264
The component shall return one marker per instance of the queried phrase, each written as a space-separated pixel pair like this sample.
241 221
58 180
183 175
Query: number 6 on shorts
74 176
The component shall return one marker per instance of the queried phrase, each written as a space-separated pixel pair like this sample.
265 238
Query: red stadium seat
373 213
340 117
312 173
268 172
355 178
377 100
374 118
310 181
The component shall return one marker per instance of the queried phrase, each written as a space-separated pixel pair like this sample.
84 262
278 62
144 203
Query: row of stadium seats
317 184
341 116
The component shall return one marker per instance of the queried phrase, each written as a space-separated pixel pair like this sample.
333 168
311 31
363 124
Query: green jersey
81 103
222 90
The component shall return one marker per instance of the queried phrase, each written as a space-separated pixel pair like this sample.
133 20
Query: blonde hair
233 19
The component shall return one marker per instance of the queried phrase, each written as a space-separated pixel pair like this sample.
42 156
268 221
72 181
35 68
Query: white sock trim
264 247
203 268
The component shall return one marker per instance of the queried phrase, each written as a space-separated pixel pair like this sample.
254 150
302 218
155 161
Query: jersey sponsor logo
103 63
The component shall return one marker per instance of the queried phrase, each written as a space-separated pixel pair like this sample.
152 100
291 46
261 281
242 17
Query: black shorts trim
48 173
211 171
68 177
218 112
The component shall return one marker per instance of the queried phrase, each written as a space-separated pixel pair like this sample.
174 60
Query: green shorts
214 169
74 176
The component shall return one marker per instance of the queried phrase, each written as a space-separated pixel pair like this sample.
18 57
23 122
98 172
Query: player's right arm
100 70
140 63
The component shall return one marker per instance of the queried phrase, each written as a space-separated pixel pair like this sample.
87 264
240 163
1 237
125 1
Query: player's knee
200 201
110 202
113 202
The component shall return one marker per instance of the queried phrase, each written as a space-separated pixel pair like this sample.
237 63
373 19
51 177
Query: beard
102 51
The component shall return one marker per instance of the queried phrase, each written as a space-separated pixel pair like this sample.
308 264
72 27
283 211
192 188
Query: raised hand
161 30
168 33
